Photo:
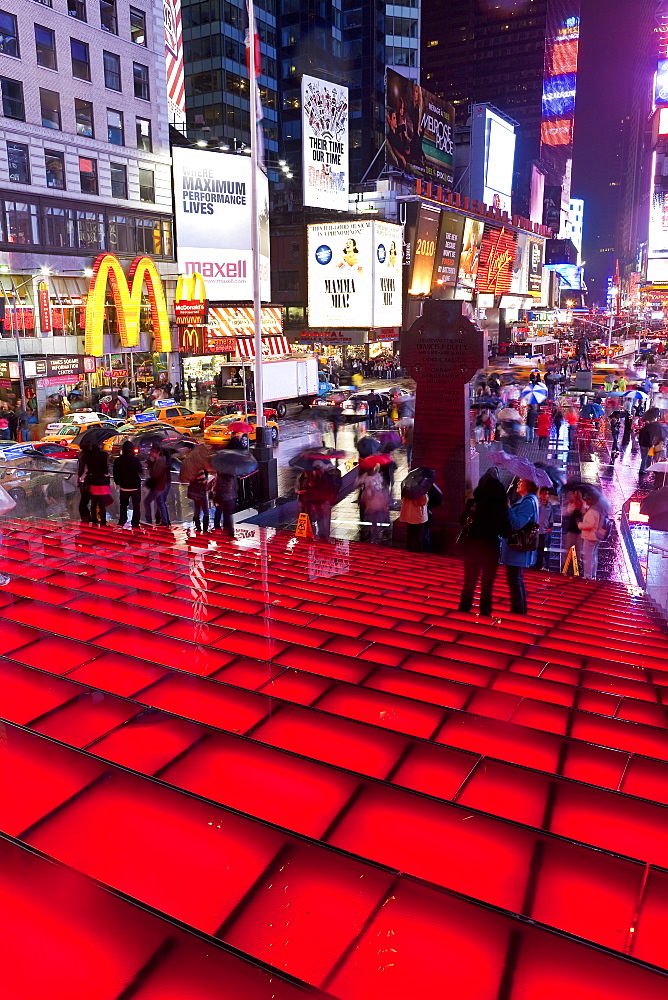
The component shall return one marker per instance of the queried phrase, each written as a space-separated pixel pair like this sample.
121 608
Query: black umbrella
305 459
417 483
485 404
232 462
654 413
367 446
96 436
555 474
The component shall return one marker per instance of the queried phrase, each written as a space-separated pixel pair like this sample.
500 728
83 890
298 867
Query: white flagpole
255 221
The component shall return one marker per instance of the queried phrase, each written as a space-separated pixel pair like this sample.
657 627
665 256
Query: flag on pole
254 65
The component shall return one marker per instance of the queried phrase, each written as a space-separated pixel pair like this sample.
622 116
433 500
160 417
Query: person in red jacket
543 428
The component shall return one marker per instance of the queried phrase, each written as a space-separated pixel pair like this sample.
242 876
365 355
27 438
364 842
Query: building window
140 75
121 234
58 226
9 36
45 46
76 8
19 163
288 281
144 137
80 59
21 222
90 230
88 175
49 102
137 26
12 98
55 169
108 19
112 70
146 185
83 111
148 236
119 180
115 127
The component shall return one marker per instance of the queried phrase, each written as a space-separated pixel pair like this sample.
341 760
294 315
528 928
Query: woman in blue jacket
523 512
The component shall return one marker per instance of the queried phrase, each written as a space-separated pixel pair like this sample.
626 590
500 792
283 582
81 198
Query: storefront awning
272 347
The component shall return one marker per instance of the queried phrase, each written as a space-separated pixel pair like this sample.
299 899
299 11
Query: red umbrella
240 427
371 461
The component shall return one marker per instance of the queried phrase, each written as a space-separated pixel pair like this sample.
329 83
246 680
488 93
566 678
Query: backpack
604 530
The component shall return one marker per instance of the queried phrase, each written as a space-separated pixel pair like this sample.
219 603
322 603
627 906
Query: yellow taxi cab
218 433
130 431
171 413
68 427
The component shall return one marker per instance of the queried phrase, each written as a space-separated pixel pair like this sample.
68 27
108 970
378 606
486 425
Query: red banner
44 300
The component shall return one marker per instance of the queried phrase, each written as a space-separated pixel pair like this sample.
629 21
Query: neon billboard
127 297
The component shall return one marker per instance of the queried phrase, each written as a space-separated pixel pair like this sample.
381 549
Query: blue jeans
531 434
160 498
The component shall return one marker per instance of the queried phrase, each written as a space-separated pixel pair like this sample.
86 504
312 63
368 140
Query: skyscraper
523 60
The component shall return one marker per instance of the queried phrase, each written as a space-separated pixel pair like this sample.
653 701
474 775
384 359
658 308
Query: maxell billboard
325 144
213 222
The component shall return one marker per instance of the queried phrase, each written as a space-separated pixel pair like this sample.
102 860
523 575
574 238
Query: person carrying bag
519 550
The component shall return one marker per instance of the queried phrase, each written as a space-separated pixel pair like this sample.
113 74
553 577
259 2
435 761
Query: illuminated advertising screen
419 131
498 253
448 249
470 256
558 105
354 274
559 96
213 222
424 250
325 144
176 86
535 250
492 157
661 84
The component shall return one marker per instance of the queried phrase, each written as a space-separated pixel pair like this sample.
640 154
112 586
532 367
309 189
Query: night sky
608 43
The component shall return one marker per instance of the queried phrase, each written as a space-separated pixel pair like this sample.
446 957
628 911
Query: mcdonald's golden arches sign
190 303
127 296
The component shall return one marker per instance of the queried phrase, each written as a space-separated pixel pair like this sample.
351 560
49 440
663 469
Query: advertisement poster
424 250
176 86
213 222
470 256
325 144
354 274
419 137
448 250
497 257
535 266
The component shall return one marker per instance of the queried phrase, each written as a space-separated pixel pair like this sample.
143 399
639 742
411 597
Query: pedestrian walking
127 472
557 421
23 422
159 484
531 421
571 523
543 427
94 474
572 421
198 492
374 501
414 513
594 529
318 491
518 551
545 525
224 496
484 521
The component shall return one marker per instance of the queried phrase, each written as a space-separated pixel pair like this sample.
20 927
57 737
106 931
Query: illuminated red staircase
240 771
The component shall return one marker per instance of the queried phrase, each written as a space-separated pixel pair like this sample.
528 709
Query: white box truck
288 380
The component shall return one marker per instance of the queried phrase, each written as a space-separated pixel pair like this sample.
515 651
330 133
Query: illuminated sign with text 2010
127 296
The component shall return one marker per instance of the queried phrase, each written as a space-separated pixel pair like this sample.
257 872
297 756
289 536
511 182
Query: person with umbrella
518 550
374 495
318 491
94 477
159 484
483 522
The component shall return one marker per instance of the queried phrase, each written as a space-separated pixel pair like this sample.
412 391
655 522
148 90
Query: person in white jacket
591 530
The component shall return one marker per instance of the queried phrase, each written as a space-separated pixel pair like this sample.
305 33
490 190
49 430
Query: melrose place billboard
354 274
212 200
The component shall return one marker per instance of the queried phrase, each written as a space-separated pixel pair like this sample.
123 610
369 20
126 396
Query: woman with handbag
94 474
485 519
519 550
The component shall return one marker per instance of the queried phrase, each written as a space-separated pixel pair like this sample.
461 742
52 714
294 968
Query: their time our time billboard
354 274
212 197
419 137
325 144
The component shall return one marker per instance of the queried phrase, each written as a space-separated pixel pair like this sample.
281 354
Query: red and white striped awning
272 347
